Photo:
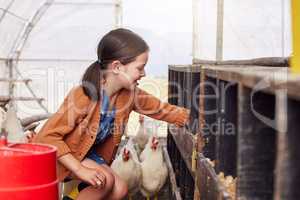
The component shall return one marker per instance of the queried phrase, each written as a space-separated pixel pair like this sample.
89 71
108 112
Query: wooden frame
264 103
273 91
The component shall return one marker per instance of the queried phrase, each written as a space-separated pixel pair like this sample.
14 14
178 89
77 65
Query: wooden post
196 31
288 158
209 118
256 145
296 36
281 169
220 21
226 138
118 14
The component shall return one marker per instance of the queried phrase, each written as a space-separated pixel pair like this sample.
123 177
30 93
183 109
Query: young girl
88 126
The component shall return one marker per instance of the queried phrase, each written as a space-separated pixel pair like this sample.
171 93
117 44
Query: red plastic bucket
28 172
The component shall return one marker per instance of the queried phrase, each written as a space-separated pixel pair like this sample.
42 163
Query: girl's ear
115 66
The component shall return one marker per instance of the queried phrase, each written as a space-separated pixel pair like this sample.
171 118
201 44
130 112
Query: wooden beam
265 61
185 68
172 177
184 142
208 182
267 79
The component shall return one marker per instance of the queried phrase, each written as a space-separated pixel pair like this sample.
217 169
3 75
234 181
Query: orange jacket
73 128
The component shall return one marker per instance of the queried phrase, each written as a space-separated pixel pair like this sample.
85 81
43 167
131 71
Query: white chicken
127 166
154 169
141 137
13 126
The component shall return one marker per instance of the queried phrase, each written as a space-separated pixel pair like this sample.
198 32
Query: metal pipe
14 80
84 3
12 14
20 43
5 10
49 60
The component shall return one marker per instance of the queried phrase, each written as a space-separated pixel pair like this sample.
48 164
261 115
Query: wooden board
172 178
256 146
288 154
208 183
265 61
185 68
184 143
226 135
268 79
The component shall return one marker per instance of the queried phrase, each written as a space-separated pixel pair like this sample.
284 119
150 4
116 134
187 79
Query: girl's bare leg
119 190
93 193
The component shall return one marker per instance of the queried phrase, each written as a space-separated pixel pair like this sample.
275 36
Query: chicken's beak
141 118
154 144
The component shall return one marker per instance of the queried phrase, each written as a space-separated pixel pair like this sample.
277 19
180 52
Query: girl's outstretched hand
91 176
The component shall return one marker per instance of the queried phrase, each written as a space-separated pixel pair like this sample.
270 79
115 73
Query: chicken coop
255 109
243 104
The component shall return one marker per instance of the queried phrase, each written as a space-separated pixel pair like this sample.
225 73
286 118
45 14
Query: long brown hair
119 44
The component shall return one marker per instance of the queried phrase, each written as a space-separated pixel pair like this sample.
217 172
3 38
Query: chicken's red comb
125 151
154 140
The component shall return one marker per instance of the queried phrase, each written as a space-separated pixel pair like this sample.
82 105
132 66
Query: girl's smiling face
132 72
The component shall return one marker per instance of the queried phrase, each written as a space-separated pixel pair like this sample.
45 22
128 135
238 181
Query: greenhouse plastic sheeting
13 18
10 29
69 32
50 80
63 42
58 48
252 28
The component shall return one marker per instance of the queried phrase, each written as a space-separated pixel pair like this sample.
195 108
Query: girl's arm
62 123
75 106
151 106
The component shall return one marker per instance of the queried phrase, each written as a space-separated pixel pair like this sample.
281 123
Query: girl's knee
110 180
123 191
120 189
